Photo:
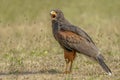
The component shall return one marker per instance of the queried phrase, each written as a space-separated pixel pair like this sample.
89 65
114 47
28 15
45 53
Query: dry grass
29 51
52 66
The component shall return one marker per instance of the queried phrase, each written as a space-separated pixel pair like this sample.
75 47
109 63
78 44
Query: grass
29 51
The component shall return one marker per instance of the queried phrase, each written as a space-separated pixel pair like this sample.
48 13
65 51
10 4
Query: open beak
53 14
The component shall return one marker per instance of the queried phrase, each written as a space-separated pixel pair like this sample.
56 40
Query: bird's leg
69 57
73 55
70 68
66 66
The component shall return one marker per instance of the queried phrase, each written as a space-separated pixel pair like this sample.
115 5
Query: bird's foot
66 72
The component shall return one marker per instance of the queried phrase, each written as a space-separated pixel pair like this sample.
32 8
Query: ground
28 50
51 67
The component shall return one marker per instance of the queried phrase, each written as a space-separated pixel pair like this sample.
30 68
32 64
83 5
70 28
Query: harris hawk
73 39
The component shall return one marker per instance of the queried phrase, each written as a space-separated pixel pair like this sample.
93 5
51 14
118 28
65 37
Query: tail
100 60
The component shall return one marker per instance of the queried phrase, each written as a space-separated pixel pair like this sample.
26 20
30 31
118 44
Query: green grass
27 44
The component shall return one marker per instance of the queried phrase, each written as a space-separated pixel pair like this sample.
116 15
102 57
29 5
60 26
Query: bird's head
56 14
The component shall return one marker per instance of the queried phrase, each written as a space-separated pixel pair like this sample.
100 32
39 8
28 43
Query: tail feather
103 65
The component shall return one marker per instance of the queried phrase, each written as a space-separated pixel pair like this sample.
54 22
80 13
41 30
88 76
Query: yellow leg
70 68
69 57
67 67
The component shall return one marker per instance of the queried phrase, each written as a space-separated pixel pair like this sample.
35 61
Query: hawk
73 39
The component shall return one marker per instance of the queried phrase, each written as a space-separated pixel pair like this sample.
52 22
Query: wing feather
76 30
76 42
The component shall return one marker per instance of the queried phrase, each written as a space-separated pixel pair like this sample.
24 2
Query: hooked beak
53 14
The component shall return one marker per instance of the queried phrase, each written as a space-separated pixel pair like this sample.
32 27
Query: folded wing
73 41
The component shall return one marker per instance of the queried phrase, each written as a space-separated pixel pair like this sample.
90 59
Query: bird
74 40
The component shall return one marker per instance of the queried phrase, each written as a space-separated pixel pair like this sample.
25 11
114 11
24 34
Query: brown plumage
73 39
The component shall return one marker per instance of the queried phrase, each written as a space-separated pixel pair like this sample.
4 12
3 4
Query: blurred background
25 28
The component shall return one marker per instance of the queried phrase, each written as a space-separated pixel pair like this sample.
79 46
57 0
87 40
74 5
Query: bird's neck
54 26
60 21
63 21
56 23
